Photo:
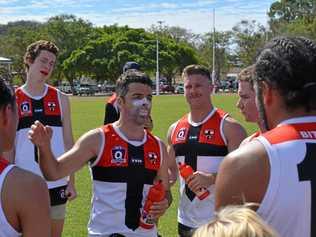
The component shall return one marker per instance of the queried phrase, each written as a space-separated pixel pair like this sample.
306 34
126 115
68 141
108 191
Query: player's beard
260 105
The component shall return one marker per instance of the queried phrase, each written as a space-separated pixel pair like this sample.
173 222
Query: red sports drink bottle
186 171
156 194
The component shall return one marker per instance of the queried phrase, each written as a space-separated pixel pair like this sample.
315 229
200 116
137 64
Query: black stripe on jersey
201 149
27 122
119 174
191 154
38 114
135 175
192 148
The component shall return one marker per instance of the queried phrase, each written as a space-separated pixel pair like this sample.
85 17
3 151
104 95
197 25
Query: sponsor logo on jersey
308 134
38 110
136 160
209 133
152 157
181 134
118 155
25 108
193 138
51 106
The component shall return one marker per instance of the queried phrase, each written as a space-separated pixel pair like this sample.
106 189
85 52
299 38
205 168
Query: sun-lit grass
88 113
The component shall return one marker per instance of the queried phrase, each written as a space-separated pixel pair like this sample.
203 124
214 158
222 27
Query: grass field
88 113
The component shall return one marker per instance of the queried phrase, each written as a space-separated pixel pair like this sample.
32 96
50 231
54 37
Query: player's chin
141 120
195 103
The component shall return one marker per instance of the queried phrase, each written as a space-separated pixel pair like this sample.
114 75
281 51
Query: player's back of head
288 64
7 95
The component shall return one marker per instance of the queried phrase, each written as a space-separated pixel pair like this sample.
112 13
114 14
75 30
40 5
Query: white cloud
7 1
5 11
195 15
197 21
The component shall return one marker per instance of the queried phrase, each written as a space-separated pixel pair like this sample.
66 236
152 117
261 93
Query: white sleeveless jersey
48 110
289 204
203 147
122 175
6 230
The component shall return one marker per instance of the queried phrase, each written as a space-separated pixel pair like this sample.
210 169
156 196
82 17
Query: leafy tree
249 36
284 12
69 33
222 51
14 39
176 33
287 11
104 58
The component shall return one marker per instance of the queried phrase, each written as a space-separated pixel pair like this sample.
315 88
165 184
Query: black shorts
58 195
185 231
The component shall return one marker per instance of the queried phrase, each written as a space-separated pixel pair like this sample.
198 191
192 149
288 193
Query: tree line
100 52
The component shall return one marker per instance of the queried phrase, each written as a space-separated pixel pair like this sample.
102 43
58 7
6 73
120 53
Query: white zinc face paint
142 105
141 102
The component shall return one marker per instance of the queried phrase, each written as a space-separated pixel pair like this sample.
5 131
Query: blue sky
195 16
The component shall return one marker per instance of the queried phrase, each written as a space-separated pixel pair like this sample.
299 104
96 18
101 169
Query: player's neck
199 114
131 131
34 89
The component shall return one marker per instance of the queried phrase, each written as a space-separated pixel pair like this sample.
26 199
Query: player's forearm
169 197
10 156
48 163
72 179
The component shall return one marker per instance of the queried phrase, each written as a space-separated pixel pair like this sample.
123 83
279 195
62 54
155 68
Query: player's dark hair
128 77
6 95
288 64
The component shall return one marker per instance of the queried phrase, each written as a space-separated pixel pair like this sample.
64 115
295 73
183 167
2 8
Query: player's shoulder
23 177
26 184
245 157
232 128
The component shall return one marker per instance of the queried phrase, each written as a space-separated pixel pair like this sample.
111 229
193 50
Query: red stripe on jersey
24 104
210 131
112 99
51 103
291 132
115 152
3 164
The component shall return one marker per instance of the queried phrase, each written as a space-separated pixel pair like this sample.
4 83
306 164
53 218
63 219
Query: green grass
88 113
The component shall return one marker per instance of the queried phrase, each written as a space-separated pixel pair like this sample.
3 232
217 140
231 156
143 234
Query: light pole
157 60
214 48
157 67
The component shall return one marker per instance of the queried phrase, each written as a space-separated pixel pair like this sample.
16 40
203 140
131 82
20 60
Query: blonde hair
236 221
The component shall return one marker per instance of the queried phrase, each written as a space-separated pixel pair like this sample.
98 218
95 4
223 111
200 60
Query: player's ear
120 101
267 92
28 61
5 111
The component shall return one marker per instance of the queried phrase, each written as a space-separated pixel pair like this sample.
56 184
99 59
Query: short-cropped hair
195 69
128 77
